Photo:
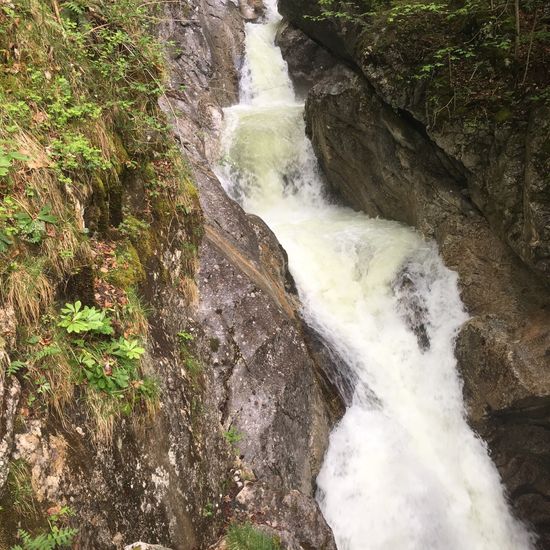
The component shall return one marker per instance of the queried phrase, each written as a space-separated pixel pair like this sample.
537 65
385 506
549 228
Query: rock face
266 382
172 480
382 160
10 391
505 165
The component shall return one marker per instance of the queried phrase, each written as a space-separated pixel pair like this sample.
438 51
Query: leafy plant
78 319
32 228
233 436
185 336
56 537
15 367
127 349
7 158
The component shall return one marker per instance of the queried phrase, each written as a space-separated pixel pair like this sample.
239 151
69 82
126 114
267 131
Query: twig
531 39
56 11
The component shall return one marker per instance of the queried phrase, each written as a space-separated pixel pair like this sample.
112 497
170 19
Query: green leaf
45 216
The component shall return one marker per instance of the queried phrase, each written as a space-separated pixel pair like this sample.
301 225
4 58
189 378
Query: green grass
247 537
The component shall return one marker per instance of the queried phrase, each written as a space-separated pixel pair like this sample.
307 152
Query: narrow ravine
403 469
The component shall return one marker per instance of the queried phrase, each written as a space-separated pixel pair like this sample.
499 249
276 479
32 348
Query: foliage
20 491
233 436
17 221
247 537
108 365
471 59
78 319
185 336
79 96
7 158
56 536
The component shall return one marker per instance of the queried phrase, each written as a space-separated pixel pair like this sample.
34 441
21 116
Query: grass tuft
247 537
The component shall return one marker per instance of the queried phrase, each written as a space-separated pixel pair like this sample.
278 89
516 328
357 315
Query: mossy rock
129 271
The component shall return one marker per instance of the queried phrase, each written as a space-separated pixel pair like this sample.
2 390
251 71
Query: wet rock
251 9
307 62
292 516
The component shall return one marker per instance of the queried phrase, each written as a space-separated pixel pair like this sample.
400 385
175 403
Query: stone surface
267 383
307 63
380 160
10 391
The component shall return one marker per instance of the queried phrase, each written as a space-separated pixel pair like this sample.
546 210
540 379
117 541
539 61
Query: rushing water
403 469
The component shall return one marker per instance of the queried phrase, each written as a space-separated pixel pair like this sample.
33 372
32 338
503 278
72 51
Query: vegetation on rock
247 537
90 183
478 60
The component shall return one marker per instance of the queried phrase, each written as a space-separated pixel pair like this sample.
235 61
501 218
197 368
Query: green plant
55 537
193 367
247 537
233 436
32 228
20 491
7 158
110 366
185 336
208 510
18 221
15 367
78 319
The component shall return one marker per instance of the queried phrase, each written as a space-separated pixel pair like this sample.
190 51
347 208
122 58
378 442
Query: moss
129 271
247 537
503 115
163 210
141 235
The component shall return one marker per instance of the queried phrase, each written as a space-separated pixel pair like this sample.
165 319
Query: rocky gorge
481 196
248 393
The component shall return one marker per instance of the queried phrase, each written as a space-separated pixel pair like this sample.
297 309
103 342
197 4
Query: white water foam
403 470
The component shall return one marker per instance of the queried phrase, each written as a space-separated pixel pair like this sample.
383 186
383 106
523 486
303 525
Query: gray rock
10 391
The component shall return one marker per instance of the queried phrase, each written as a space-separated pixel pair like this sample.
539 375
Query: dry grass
103 413
28 290
67 251
58 372
19 485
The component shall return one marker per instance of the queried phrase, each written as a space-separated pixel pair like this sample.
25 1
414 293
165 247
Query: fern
14 367
56 538
74 7
46 351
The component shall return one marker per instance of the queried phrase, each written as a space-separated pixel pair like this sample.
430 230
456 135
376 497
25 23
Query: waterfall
403 469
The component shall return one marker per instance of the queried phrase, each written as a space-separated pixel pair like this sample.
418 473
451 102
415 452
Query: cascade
403 469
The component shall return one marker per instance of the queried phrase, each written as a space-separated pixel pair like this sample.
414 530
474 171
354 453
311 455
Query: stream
403 469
